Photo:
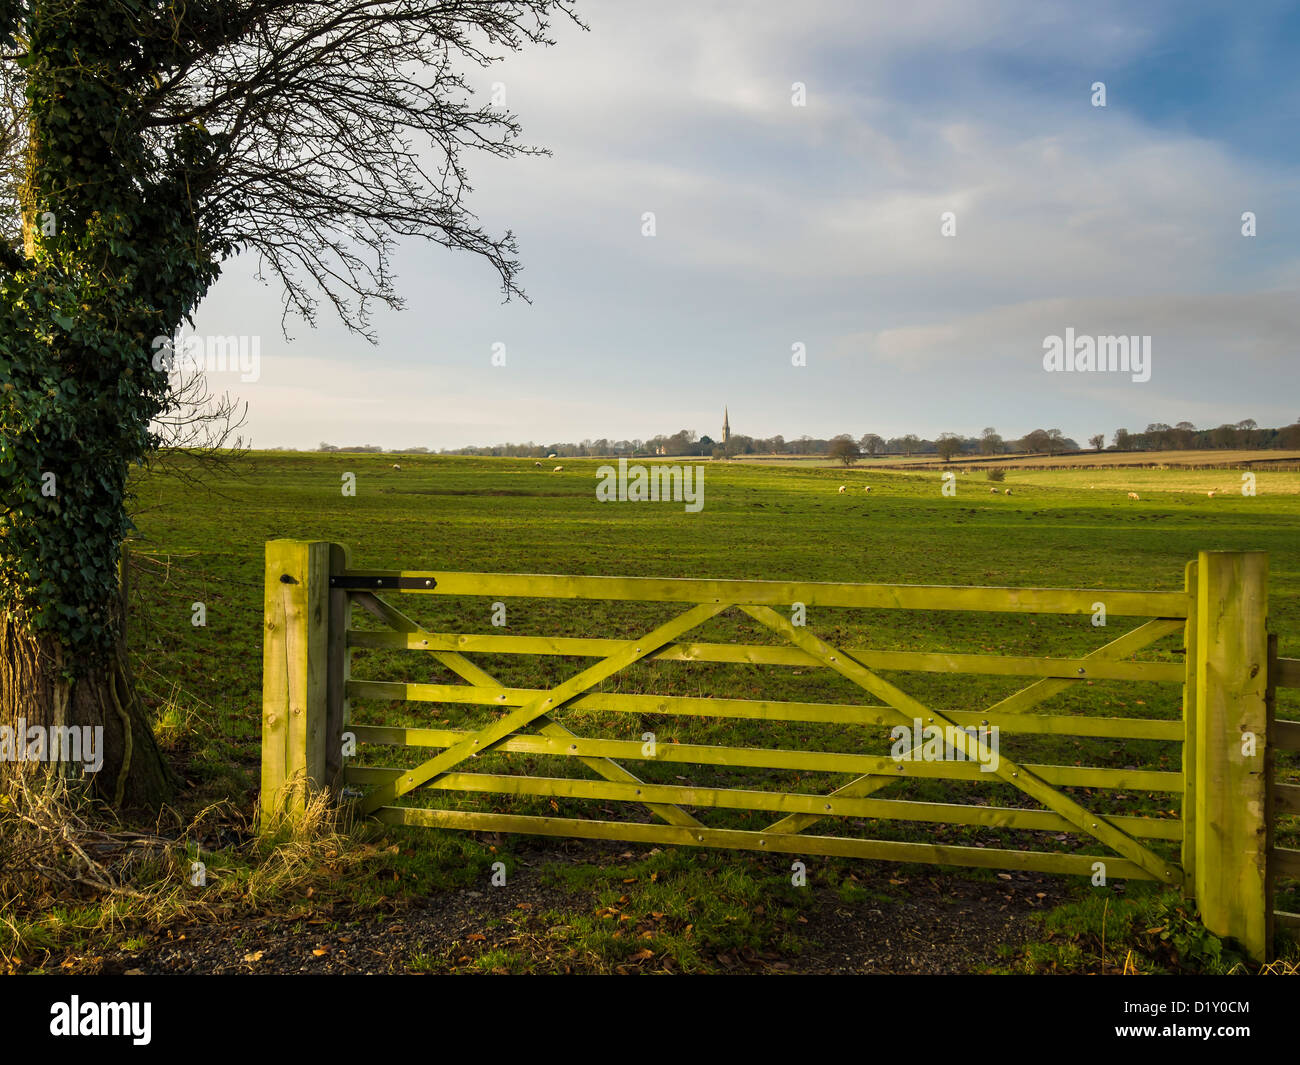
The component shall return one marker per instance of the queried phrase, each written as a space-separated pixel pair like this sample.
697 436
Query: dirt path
939 924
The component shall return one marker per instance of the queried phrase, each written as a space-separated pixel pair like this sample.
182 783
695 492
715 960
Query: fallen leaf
255 956
320 952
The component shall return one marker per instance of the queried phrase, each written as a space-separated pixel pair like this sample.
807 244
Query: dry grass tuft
70 871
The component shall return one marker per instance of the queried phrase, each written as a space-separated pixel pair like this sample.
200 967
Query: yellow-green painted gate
1214 838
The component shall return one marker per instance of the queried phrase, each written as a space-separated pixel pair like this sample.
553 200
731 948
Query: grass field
1223 460
1064 529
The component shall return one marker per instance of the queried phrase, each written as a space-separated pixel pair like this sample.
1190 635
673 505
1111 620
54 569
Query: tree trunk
35 691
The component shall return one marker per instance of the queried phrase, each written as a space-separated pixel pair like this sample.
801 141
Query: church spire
726 426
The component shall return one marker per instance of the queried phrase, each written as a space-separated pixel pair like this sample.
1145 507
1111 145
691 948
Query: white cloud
820 223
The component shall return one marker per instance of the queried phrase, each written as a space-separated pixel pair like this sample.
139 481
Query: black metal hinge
379 584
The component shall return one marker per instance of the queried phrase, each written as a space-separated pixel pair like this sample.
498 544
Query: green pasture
204 544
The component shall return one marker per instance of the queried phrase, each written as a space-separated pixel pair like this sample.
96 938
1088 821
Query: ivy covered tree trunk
143 142
36 689
111 257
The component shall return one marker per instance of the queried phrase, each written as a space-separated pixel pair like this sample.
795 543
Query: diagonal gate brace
468 671
1016 775
545 703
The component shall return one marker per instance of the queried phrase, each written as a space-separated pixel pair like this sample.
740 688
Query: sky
821 225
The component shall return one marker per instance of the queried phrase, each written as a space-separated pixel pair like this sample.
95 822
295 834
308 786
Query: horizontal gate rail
1066 776
1288 673
765 710
774 801
780 593
1286 799
1222 792
777 842
1286 735
775 655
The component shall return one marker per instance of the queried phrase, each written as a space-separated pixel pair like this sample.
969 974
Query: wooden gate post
295 646
1229 784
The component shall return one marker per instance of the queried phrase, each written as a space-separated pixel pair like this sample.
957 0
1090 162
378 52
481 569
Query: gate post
1228 786
295 640
1190 802
337 712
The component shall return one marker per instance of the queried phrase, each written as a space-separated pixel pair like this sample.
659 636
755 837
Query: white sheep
993 491
397 467
1133 495
538 465
1006 491
558 469
867 488
1210 493
843 489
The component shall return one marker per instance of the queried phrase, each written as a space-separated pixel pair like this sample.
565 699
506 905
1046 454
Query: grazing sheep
558 469
843 489
1210 493
867 488
538 465
397 467
1133 495
993 491
1006 491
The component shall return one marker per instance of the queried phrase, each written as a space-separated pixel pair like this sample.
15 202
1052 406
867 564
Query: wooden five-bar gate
1217 846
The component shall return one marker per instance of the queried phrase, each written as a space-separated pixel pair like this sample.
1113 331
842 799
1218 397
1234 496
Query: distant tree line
847 449
1186 437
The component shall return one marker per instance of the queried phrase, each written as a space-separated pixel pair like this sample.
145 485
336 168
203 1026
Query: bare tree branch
342 125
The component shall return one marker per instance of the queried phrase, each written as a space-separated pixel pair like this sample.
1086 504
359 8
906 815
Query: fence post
337 712
294 676
1190 731
1229 786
